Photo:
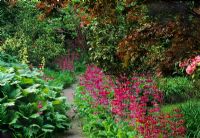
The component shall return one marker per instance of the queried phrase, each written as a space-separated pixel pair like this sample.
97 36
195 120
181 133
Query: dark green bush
176 89
8 20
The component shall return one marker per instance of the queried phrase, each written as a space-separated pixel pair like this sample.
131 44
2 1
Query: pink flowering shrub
134 101
190 65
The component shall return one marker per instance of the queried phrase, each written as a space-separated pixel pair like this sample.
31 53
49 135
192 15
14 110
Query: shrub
191 112
8 19
7 58
17 46
158 37
29 107
45 46
102 40
176 89
46 38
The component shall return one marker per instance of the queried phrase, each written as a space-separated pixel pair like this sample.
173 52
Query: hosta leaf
48 128
25 73
17 126
14 94
46 90
34 128
10 70
3 99
27 132
27 81
15 118
2 69
31 89
5 78
35 116
23 116
61 98
60 117
60 126
2 113
9 104
14 82
57 102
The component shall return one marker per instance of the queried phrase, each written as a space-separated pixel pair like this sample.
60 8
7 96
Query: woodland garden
134 66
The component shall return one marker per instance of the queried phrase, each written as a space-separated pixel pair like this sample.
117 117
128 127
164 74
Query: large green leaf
35 116
9 104
14 119
48 128
31 89
5 78
59 100
27 81
3 113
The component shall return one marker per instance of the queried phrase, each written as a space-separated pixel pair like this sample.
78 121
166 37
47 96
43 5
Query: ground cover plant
125 108
29 107
62 79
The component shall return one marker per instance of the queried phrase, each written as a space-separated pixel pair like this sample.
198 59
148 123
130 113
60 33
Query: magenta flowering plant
134 101
137 101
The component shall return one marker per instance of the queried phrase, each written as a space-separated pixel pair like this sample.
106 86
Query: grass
170 107
191 114
176 89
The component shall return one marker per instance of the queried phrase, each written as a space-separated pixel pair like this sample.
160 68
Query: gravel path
76 130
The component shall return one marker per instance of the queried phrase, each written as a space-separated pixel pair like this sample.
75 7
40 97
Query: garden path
76 130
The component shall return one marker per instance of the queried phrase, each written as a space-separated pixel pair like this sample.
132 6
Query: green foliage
176 89
44 46
170 107
80 67
7 58
81 63
102 40
8 19
29 107
61 79
42 37
16 46
191 112
98 122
